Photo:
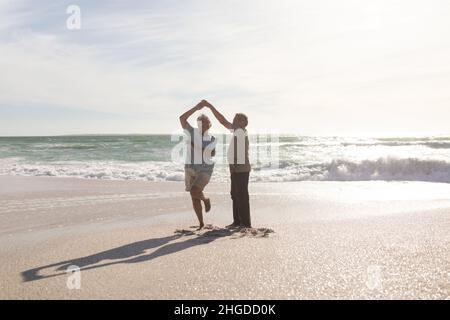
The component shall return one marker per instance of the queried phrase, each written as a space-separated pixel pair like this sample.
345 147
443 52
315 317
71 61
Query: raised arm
220 117
187 114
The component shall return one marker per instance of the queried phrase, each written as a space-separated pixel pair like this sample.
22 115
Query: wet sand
133 240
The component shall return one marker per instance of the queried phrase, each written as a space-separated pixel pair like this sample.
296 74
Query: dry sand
132 240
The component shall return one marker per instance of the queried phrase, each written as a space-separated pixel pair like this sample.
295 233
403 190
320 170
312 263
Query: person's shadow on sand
133 253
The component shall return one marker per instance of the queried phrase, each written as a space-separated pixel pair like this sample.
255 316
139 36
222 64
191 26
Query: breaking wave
387 169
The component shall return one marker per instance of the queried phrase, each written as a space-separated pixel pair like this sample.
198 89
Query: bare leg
197 204
198 211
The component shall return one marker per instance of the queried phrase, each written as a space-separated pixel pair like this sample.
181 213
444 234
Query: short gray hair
243 117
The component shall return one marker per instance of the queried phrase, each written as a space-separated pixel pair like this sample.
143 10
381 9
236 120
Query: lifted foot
207 205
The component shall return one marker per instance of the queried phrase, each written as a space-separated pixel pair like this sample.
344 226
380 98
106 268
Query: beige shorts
198 179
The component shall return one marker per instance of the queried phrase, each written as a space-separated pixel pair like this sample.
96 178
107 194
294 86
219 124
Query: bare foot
207 204
201 226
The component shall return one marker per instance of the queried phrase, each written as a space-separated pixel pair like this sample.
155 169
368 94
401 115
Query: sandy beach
134 240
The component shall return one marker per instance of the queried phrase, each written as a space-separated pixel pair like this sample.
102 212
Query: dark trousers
239 195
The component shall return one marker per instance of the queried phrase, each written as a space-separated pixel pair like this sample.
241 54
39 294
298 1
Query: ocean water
283 158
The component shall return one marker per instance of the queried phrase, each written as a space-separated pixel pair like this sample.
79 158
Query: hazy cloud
319 67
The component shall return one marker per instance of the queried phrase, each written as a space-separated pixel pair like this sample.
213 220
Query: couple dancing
199 165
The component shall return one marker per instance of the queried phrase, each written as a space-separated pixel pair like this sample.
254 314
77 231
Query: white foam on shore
381 169
147 171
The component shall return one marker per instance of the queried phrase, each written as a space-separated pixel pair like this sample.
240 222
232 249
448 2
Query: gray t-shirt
199 150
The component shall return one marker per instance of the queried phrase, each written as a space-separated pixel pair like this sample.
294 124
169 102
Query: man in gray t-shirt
200 147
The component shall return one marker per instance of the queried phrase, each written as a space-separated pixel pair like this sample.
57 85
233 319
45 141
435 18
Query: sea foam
387 169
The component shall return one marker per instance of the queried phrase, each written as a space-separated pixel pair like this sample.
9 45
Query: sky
325 67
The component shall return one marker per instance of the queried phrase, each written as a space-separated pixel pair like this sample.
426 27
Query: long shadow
135 252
